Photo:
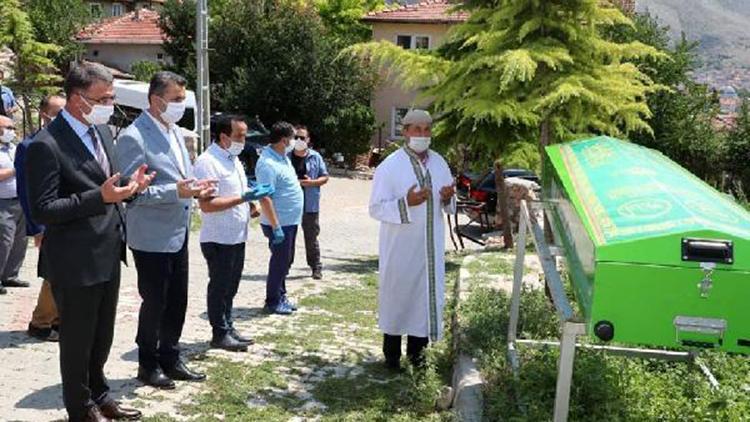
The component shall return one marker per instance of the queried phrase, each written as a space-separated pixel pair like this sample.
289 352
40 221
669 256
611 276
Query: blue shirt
32 229
6 96
316 168
276 170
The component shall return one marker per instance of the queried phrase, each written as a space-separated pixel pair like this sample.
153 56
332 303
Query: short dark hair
281 130
301 126
44 103
83 75
224 124
161 81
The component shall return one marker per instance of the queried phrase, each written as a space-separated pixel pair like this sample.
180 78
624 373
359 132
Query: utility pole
204 96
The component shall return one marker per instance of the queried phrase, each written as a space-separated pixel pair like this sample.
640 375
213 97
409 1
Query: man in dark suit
74 188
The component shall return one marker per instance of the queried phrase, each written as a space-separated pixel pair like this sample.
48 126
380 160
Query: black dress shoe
95 415
15 283
317 275
181 372
239 337
155 378
3 290
113 410
44 334
228 343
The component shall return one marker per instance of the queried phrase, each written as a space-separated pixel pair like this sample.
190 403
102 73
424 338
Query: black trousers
163 287
225 264
414 349
87 325
311 229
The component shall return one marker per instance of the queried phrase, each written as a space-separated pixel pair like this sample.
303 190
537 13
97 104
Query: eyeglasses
8 127
300 138
108 100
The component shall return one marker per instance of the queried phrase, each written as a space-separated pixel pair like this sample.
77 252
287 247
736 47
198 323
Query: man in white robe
411 189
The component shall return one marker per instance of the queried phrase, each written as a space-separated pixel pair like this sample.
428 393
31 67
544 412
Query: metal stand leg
570 332
515 299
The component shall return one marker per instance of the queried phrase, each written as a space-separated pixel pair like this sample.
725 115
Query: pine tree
519 70
34 72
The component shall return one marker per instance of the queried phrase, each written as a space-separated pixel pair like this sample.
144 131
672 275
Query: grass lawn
605 388
323 363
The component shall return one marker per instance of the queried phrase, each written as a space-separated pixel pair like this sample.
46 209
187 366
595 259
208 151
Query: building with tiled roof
121 41
429 12
416 24
114 8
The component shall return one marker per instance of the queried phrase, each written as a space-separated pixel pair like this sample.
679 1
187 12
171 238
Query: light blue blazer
157 219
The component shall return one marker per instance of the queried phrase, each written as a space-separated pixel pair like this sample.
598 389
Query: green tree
34 72
275 59
682 116
737 153
519 70
143 70
177 20
343 18
57 22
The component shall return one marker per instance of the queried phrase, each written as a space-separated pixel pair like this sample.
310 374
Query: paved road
29 376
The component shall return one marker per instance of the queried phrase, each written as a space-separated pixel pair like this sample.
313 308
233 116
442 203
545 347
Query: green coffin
655 255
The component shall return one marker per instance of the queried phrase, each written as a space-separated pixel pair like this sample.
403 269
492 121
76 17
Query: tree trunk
502 205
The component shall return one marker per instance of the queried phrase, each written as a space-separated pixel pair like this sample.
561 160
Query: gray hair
82 76
161 81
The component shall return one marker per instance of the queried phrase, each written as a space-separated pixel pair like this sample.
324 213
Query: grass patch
352 385
605 388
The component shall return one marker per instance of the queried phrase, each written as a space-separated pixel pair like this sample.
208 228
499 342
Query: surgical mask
300 145
174 112
99 114
236 148
289 148
8 136
419 144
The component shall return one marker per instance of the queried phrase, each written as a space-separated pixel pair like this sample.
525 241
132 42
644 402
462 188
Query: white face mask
300 145
419 144
289 147
8 136
174 112
236 148
99 114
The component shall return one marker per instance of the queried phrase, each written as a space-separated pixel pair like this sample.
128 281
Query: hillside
722 27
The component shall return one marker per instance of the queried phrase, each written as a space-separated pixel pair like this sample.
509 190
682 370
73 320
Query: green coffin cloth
626 192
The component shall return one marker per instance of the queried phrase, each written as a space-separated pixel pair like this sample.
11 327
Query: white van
131 98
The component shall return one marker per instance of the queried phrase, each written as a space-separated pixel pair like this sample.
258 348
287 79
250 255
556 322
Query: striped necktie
101 157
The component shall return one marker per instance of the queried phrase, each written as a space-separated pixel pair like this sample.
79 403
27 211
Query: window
95 53
159 56
422 42
117 9
96 10
411 42
403 41
396 126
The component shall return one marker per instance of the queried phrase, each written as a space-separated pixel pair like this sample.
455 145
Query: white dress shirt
170 134
228 227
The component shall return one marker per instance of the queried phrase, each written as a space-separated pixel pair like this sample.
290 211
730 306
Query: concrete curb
468 385
351 174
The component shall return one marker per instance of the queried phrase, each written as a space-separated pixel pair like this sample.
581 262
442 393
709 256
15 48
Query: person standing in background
275 169
44 323
12 222
8 104
312 174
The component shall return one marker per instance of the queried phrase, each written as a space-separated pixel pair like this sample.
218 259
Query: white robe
412 245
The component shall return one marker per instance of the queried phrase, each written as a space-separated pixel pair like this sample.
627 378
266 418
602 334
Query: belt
10 199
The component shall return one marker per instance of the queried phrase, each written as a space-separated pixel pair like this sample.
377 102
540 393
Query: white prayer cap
416 117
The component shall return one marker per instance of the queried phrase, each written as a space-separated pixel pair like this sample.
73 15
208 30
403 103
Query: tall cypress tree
525 70
34 71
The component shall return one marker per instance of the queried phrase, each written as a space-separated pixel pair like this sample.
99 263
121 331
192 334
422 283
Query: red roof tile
139 27
430 11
